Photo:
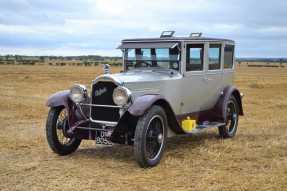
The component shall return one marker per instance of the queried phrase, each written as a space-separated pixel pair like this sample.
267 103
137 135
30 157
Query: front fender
62 99
59 99
143 103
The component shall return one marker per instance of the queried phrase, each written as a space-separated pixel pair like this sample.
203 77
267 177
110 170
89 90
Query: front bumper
84 127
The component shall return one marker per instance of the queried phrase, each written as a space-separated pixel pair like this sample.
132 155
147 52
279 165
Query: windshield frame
125 59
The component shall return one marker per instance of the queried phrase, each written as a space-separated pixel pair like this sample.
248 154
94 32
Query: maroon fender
59 99
221 105
143 103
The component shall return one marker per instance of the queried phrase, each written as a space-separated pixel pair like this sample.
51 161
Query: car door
194 86
213 73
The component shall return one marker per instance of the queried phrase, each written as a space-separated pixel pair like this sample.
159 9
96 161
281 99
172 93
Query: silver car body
186 92
201 93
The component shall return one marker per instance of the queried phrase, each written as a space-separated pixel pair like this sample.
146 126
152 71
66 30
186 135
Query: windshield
166 58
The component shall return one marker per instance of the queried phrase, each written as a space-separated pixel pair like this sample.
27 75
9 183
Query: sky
96 27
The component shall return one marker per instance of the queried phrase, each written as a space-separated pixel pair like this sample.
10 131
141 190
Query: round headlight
121 96
78 93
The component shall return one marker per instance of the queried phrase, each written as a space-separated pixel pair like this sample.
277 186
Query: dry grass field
256 159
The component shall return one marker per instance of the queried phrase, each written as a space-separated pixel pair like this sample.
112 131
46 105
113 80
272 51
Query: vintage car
168 86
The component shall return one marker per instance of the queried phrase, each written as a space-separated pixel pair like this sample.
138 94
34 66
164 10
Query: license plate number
102 138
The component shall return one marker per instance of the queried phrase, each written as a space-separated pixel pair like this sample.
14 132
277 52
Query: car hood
136 76
141 82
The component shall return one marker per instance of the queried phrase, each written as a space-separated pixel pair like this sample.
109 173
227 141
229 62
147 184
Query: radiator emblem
100 91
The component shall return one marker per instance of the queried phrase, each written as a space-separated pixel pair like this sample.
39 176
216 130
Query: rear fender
221 106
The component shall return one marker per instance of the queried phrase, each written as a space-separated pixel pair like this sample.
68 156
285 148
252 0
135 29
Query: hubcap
159 138
154 137
231 117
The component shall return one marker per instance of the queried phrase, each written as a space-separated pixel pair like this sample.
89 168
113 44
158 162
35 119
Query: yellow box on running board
188 124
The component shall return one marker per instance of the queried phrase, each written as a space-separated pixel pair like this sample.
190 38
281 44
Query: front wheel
232 114
56 132
150 137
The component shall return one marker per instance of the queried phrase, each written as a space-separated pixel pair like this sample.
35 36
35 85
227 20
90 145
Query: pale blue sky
81 27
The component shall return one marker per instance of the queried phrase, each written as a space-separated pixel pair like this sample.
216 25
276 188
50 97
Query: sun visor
148 45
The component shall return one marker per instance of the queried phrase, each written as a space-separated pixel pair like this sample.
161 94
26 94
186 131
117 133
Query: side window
162 57
214 55
130 57
162 53
143 54
131 54
194 57
146 53
228 56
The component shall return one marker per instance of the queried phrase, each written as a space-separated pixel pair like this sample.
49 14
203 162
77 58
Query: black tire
151 131
52 137
229 130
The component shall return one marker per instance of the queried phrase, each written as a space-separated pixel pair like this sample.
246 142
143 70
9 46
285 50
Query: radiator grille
102 94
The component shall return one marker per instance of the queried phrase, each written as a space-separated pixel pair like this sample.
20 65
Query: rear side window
194 57
228 56
214 55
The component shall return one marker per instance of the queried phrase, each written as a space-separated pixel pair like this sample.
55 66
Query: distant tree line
64 58
267 60
90 60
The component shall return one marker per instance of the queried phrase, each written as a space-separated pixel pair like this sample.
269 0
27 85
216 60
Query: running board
210 125
200 128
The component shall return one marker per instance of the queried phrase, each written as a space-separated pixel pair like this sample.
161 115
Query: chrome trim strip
146 90
107 78
107 123
97 105
92 129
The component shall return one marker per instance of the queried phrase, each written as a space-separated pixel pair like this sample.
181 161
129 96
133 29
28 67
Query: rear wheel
150 137
56 132
230 128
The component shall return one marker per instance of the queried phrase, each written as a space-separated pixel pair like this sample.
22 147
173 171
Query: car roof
178 39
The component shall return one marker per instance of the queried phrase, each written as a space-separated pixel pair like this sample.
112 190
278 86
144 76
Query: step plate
200 128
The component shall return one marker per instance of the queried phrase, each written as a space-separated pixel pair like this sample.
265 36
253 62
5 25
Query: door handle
207 79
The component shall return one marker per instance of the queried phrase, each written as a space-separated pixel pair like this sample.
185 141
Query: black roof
177 39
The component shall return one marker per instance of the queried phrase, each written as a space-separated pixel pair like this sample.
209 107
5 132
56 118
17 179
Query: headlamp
78 93
121 96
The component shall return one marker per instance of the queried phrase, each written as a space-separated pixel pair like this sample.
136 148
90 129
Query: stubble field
256 159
